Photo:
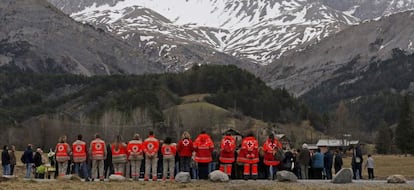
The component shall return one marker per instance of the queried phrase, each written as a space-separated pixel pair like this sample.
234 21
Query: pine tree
405 131
384 139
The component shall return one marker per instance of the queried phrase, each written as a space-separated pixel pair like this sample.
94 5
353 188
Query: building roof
335 142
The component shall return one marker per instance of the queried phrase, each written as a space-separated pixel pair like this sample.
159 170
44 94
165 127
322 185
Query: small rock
116 178
183 177
396 179
343 176
218 176
286 176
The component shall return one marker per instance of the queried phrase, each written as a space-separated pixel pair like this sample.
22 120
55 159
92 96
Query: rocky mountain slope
38 37
355 47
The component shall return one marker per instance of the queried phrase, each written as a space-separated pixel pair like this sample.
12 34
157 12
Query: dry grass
199 185
386 165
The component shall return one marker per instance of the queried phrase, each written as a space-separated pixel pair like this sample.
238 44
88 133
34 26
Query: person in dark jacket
338 161
12 159
5 160
108 166
357 161
38 162
304 159
328 162
27 159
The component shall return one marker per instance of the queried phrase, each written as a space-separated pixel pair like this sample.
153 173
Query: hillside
46 105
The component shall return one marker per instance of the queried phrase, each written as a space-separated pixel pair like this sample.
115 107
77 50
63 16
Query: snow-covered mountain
370 9
259 30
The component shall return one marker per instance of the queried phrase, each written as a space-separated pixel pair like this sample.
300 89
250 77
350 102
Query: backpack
279 154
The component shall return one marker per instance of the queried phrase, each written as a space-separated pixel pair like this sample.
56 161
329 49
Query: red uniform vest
119 153
79 151
227 147
168 151
185 147
134 149
151 146
98 149
249 152
62 150
269 148
203 146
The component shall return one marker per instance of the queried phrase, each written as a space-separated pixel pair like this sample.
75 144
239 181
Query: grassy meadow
385 165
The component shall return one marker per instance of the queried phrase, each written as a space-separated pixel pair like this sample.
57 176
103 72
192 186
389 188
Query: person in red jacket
203 147
249 155
79 154
227 148
151 146
269 148
185 151
168 151
63 152
119 155
135 156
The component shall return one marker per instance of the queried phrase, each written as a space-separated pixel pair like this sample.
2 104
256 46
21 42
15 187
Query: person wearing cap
304 159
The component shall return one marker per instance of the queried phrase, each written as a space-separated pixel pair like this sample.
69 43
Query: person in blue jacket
27 158
317 164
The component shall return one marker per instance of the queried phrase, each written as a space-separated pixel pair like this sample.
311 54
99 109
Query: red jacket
269 148
203 146
249 152
227 148
185 147
168 151
151 146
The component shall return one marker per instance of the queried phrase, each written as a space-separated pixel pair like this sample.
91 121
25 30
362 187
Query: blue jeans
28 170
84 169
6 169
194 173
212 166
272 171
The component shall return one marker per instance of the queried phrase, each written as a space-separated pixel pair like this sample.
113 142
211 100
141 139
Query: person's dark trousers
203 170
317 173
108 170
357 169
328 172
12 169
371 173
185 162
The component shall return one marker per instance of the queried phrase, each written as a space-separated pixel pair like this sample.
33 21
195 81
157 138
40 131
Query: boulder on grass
286 176
343 176
114 177
183 177
218 176
396 179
